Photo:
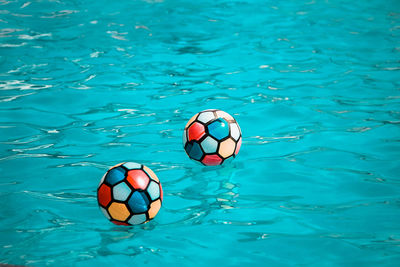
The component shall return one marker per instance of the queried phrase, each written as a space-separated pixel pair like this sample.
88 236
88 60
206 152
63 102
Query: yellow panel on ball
154 208
118 211
227 148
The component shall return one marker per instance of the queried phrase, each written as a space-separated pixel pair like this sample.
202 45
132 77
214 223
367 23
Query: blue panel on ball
194 151
138 202
219 129
115 175
188 147
121 191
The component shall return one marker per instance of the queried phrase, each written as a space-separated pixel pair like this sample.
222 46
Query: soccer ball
212 137
129 193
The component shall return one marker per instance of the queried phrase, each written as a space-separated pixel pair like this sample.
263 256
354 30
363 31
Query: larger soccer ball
129 193
212 137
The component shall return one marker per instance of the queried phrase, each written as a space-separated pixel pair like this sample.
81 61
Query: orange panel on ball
115 166
118 211
196 131
151 173
226 116
227 148
191 120
104 195
154 208
138 179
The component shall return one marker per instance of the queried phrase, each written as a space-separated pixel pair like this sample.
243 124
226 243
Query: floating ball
129 193
212 137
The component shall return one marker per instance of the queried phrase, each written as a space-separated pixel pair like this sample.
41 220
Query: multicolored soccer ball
130 193
212 137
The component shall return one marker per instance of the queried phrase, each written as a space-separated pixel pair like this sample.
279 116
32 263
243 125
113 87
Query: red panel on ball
239 144
161 192
196 131
212 160
138 179
104 195
120 223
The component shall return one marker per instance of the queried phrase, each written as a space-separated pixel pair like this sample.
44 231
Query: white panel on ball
205 117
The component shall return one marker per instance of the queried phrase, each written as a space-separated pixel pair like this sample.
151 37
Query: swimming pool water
313 84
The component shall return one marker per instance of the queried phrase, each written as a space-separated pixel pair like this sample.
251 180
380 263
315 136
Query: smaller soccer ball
212 137
129 193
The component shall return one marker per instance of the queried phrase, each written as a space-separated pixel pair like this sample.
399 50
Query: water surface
313 84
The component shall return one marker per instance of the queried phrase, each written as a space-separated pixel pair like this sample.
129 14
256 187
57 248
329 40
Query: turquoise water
313 84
